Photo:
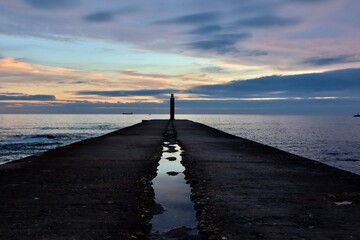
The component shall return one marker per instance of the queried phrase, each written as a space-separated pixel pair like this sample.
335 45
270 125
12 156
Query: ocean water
24 135
334 140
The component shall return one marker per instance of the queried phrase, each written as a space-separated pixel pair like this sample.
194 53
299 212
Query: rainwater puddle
174 216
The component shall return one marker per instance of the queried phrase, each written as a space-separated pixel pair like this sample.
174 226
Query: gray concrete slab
245 190
94 189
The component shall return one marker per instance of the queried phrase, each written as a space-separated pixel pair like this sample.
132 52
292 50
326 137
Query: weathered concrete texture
94 189
245 190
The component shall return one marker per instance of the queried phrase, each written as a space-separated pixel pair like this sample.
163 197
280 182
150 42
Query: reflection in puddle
172 173
173 195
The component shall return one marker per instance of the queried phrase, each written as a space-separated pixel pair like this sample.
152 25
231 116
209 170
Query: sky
228 56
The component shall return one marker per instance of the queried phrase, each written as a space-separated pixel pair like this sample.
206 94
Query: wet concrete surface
94 189
246 190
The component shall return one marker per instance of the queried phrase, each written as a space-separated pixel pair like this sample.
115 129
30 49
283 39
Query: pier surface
94 189
100 189
246 190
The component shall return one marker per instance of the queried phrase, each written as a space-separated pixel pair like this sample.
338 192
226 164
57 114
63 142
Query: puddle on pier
174 216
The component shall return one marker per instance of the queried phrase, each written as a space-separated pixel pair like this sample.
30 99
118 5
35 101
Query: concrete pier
94 189
101 189
246 190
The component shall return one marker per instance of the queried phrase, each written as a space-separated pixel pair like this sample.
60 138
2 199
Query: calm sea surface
332 140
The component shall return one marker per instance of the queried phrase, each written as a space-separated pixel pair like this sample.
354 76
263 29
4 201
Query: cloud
256 7
309 1
83 107
13 63
107 16
208 29
147 75
324 61
25 97
34 31
204 17
213 69
341 84
255 53
17 74
100 17
10 67
188 32
51 4
333 84
267 21
126 93
222 43
216 45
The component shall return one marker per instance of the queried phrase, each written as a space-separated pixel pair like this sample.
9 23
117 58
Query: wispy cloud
105 16
309 1
59 79
120 93
213 69
221 43
108 16
205 30
324 61
333 84
82 107
197 18
25 97
320 92
267 21
149 75
18 67
51 4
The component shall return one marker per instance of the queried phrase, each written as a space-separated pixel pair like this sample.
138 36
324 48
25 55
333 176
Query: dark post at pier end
172 107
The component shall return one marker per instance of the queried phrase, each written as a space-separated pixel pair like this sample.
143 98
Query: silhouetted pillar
172 107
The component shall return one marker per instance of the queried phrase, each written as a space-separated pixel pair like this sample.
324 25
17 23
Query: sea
333 140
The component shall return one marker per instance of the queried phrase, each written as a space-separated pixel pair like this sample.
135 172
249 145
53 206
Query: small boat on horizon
127 113
357 115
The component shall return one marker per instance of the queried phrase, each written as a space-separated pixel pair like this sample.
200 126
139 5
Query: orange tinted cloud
10 66
22 76
14 64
